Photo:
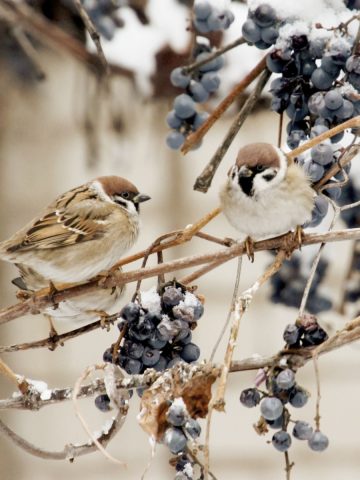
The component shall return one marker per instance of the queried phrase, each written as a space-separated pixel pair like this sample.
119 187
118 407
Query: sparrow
264 195
82 233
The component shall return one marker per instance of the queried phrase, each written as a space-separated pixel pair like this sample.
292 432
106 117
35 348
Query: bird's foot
298 236
52 292
53 339
249 248
293 240
105 321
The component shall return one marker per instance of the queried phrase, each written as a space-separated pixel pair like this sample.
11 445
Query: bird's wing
77 216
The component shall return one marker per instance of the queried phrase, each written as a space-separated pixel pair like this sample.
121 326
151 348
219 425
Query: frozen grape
178 78
150 357
130 312
269 35
277 423
302 430
265 15
198 92
132 366
322 154
321 205
315 336
102 402
161 364
314 171
184 106
190 353
316 102
192 428
330 67
333 99
250 397
281 440
318 442
202 10
174 140
271 408
177 414
133 349
250 31
321 80
210 81
201 26
173 120
292 334
298 397
175 440
285 379
199 119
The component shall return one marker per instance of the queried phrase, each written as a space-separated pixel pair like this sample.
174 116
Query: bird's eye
125 194
269 176
260 168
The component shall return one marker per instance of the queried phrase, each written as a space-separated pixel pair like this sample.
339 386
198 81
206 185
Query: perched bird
82 233
265 196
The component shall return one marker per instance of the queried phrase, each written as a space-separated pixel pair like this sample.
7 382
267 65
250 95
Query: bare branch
41 300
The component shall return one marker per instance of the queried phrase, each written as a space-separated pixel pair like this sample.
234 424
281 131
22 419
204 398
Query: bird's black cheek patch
246 185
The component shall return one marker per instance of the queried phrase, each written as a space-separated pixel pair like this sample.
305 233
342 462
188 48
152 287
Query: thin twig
90 27
242 304
222 333
30 52
288 465
195 137
204 180
53 341
232 307
217 53
20 382
70 451
349 154
318 391
315 263
88 371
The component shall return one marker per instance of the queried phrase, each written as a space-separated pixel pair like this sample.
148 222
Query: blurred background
67 128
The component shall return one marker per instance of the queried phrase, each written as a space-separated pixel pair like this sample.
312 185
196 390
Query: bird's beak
141 197
245 172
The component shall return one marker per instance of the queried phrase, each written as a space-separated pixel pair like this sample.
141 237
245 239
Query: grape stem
195 137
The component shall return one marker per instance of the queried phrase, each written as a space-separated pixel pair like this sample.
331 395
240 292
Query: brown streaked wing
73 219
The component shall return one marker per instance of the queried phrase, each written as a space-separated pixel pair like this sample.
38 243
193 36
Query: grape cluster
283 391
104 15
181 428
261 27
158 334
210 18
199 83
317 88
289 282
